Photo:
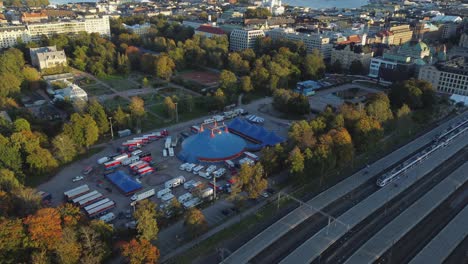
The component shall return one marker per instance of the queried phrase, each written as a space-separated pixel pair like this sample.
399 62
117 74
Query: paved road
446 241
297 216
402 224
318 243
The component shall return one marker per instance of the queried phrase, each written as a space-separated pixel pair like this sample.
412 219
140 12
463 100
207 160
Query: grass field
120 83
96 89
112 104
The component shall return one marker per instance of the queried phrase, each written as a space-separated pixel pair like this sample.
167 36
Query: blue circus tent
126 184
254 133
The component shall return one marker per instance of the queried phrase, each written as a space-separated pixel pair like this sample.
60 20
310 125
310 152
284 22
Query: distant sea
319 4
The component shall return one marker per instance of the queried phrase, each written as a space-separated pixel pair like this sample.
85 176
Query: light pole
176 113
111 128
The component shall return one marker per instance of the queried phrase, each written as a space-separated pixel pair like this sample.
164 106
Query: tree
228 81
96 110
120 117
257 183
236 189
336 67
220 99
25 201
70 214
68 250
94 250
237 64
145 82
64 148
313 66
140 251
195 222
32 76
379 108
12 237
170 107
137 107
403 111
258 12
41 160
356 68
145 215
8 181
296 161
343 145
164 67
10 84
82 129
368 131
44 228
246 84
21 124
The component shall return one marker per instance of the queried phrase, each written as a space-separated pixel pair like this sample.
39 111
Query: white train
439 142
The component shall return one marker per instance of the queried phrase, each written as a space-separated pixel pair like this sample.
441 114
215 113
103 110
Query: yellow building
401 34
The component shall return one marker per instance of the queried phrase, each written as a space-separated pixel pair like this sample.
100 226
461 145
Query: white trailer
190 167
164 152
120 157
101 209
197 169
192 203
167 143
183 166
189 184
84 196
171 152
98 203
163 192
167 197
75 192
206 192
210 169
107 217
185 197
175 142
174 182
251 156
130 160
143 195
218 173
218 118
103 160
90 200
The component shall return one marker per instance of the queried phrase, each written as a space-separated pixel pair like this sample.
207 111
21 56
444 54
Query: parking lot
166 168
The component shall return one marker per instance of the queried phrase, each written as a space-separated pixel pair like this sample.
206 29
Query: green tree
296 161
21 124
368 132
246 84
220 99
169 106
313 66
257 183
32 76
8 181
83 130
145 215
259 12
164 67
237 64
137 109
195 222
379 108
120 117
68 250
93 248
228 81
403 111
356 68
343 146
64 148
41 160
12 237
10 84
96 110
145 82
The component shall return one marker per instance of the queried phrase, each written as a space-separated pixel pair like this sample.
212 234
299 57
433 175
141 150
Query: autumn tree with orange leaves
140 251
44 228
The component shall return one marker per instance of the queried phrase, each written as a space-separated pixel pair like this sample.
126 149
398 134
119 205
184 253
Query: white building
73 93
138 29
312 41
450 77
244 39
346 56
33 32
274 6
47 57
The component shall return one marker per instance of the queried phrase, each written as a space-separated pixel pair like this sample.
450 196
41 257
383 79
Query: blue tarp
124 182
254 133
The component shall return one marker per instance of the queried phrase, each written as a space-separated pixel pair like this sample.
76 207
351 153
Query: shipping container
84 196
75 192
90 200
104 208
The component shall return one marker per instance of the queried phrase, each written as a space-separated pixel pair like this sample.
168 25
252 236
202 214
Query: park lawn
151 99
159 109
96 89
151 122
120 83
114 103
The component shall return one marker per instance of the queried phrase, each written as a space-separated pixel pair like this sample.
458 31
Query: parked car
78 178
265 194
87 170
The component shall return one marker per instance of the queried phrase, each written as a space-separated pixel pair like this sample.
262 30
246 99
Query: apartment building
450 77
34 17
33 32
47 57
347 55
312 40
241 39
401 34
138 29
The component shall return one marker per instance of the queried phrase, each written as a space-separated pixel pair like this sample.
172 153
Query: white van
164 153
163 192
220 172
107 217
210 169
183 166
205 175
175 182
185 197
190 167
229 163
167 197
197 169
188 185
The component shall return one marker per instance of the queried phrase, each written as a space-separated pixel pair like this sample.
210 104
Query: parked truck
143 195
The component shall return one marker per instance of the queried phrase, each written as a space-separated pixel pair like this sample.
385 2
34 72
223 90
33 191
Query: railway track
415 240
344 247
298 235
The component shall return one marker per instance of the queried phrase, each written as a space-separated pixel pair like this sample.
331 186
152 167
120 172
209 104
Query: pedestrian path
297 216
440 247
318 243
395 230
